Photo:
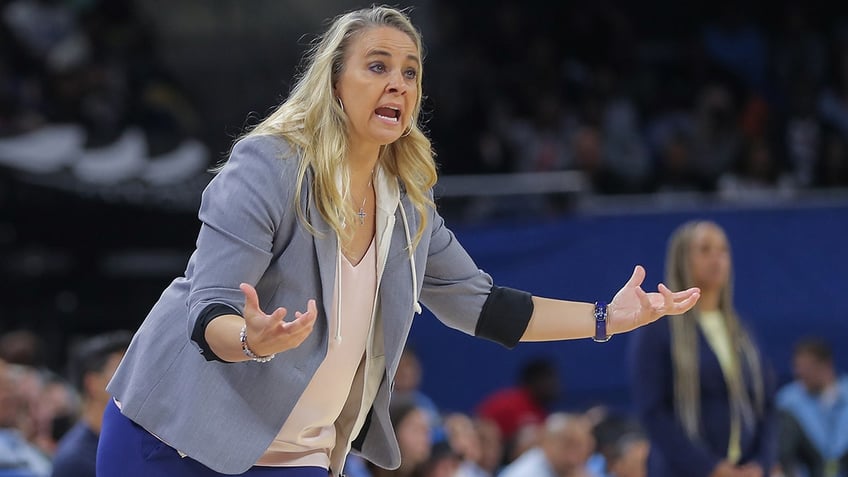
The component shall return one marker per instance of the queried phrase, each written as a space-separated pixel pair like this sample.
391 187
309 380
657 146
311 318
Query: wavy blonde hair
313 121
684 342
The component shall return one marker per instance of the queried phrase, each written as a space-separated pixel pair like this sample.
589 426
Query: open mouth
388 113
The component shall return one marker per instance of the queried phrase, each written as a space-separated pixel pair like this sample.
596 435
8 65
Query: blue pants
128 450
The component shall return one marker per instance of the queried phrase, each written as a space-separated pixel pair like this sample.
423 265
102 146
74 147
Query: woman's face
379 86
709 257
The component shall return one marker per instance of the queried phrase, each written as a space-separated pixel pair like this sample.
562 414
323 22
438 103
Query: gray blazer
225 415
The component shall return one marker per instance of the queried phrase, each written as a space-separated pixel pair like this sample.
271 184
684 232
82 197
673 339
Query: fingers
279 314
251 300
637 277
644 299
682 295
311 308
668 297
303 322
680 302
687 304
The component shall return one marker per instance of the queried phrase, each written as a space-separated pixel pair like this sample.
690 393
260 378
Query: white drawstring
416 306
338 292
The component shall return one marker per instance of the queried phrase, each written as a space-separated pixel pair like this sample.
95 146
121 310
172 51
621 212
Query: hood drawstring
415 305
338 336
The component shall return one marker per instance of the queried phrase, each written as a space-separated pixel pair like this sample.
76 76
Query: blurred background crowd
112 112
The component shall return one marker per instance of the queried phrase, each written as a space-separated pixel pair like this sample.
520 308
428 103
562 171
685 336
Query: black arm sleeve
505 316
198 334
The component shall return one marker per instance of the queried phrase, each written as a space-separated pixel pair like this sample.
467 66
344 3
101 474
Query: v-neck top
308 436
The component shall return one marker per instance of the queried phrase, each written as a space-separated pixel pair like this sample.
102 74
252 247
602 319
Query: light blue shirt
532 463
18 454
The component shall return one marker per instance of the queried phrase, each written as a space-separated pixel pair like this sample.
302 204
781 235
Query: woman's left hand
632 307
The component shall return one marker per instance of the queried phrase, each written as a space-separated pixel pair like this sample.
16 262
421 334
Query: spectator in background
755 175
17 456
49 402
106 108
92 366
54 408
443 462
716 141
814 415
626 161
832 170
701 387
833 98
412 428
22 347
491 445
563 451
526 404
465 441
587 148
675 172
407 385
803 132
527 437
622 447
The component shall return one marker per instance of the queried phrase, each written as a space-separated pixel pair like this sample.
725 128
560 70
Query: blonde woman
700 383
326 207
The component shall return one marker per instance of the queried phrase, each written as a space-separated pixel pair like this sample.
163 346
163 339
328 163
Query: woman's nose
396 83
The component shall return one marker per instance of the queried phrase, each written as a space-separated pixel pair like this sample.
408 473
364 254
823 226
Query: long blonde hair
684 342
313 121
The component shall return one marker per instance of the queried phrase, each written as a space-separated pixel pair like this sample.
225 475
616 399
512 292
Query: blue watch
601 335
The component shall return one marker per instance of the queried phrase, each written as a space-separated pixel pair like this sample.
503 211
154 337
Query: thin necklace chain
362 214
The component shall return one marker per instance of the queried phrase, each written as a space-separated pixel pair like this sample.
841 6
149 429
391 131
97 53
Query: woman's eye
411 74
378 68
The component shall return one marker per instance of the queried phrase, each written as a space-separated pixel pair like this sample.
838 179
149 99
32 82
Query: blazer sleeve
239 214
465 298
653 395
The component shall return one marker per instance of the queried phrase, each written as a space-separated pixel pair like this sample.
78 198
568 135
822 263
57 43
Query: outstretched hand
632 307
270 334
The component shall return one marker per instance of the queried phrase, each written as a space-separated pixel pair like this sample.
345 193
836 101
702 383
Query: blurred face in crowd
379 86
491 444
633 462
815 375
709 258
463 436
568 445
526 437
413 434
11 403
408 375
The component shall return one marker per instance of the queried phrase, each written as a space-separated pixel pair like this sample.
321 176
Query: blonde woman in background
700 384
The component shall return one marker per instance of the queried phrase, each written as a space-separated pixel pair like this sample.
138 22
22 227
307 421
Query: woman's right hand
269 334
